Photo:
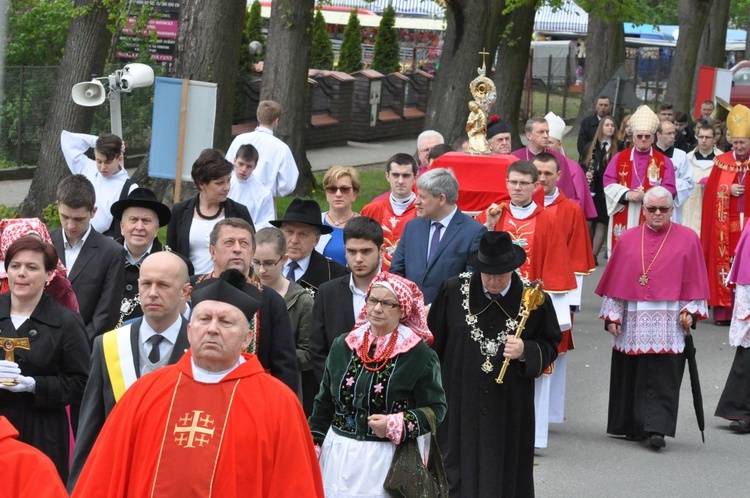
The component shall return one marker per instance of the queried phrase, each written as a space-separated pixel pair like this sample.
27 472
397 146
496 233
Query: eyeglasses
344 190
386 305
661 209
519 183
644 137
266 264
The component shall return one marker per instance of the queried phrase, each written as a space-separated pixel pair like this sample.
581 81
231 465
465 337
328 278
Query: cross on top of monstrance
483 53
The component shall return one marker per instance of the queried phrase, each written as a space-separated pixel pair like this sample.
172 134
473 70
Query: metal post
20 116
549 83
115 114
566 87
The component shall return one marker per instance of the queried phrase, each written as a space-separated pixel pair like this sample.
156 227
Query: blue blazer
461 238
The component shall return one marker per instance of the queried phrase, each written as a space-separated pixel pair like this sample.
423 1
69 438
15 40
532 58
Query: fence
27 94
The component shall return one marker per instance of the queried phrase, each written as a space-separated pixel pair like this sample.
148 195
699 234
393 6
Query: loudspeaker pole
115 114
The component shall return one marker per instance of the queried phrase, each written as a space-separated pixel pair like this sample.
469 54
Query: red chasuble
540 236
25 471
572 225
171 435
392 224
721 223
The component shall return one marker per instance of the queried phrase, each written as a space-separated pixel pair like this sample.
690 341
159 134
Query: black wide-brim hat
301 211
145 198
232 288
497 254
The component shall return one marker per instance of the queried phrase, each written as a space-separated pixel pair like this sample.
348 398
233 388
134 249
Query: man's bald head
163 286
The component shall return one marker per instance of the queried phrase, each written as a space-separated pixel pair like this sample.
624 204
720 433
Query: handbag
408 477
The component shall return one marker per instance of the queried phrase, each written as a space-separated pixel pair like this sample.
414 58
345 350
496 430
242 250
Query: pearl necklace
337 223
488 347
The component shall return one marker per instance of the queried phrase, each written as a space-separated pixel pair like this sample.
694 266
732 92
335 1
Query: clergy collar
649 152
549 199
403 201
669 151
522 212
700 155
201 375
263 129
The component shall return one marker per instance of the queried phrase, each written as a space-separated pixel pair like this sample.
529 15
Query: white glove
25 385
9 370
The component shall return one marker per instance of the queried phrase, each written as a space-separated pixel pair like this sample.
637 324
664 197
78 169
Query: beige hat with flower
644 119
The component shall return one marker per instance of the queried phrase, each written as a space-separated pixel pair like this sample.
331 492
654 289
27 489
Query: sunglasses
643 137
344 190
661 209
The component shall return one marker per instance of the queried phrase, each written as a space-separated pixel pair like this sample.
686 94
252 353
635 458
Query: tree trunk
208 49
713 42
605 50
285 78
693 16
85 52
470 28
512 62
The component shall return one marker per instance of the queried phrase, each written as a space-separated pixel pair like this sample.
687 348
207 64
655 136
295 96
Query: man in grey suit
434 245
121 356
95 263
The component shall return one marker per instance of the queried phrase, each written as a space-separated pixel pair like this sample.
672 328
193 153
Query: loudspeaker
136 75
89 93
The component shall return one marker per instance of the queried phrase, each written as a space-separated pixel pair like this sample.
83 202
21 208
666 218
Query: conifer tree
350 57
253 32
321 51
387 51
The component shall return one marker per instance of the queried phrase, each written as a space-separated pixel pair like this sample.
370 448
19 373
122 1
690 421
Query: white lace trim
739 330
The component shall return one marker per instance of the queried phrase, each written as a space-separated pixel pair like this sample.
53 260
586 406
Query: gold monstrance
483 90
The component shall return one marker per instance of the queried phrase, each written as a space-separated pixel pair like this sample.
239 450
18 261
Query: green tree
37 30
253 31
321 50
350 57
387 51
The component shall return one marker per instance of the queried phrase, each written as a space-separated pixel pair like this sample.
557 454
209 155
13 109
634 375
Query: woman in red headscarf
377 381
58 286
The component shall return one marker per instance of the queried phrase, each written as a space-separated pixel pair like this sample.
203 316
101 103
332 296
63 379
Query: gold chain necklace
644 277
337 223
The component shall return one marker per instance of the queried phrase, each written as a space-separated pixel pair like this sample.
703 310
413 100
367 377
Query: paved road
581 460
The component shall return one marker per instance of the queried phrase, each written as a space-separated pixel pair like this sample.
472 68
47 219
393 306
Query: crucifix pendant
643 280
487 366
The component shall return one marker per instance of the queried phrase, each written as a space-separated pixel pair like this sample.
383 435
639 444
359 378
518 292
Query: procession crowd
410 349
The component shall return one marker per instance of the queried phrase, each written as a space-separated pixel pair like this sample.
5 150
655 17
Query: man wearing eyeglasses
425 142
632 172
655 288
232 245
726 211
702 162
537 231
684 178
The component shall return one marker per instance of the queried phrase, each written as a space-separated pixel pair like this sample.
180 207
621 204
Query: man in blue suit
434 246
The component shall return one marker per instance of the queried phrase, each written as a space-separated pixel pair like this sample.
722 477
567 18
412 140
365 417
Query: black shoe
741 426
722 323
656 441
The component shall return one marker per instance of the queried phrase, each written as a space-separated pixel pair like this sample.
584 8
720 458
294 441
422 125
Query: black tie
290 271
154 356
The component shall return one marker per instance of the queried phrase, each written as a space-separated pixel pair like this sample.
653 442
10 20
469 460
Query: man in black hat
498 136
213 424
487 437
302 228
140 215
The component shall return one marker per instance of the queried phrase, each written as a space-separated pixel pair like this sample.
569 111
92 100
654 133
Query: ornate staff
533 297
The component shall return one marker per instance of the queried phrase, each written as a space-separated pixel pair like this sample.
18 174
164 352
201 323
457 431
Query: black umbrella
695 383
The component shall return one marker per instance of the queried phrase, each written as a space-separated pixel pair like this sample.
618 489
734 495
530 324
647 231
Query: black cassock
487 437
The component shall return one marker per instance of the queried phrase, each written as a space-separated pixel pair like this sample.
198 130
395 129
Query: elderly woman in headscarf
58 286
378 380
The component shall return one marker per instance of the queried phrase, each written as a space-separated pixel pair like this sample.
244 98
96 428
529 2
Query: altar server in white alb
276 168
245 189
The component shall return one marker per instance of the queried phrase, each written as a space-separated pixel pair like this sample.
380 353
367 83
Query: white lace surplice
739 330
650 326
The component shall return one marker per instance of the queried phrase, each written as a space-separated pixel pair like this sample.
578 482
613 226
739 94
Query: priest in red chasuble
214 424
632 172
654 286
726 210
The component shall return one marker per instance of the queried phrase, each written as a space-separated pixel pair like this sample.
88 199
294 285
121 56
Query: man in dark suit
434 245
589 124
95 263
332 316
121 356
302 229
232 245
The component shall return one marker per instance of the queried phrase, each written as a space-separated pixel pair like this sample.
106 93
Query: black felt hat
231 288
307 212
145 198
497 254
496 127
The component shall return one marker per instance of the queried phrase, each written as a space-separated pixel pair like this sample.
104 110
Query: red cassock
171 435
722 223
26 471
392 224
572 223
